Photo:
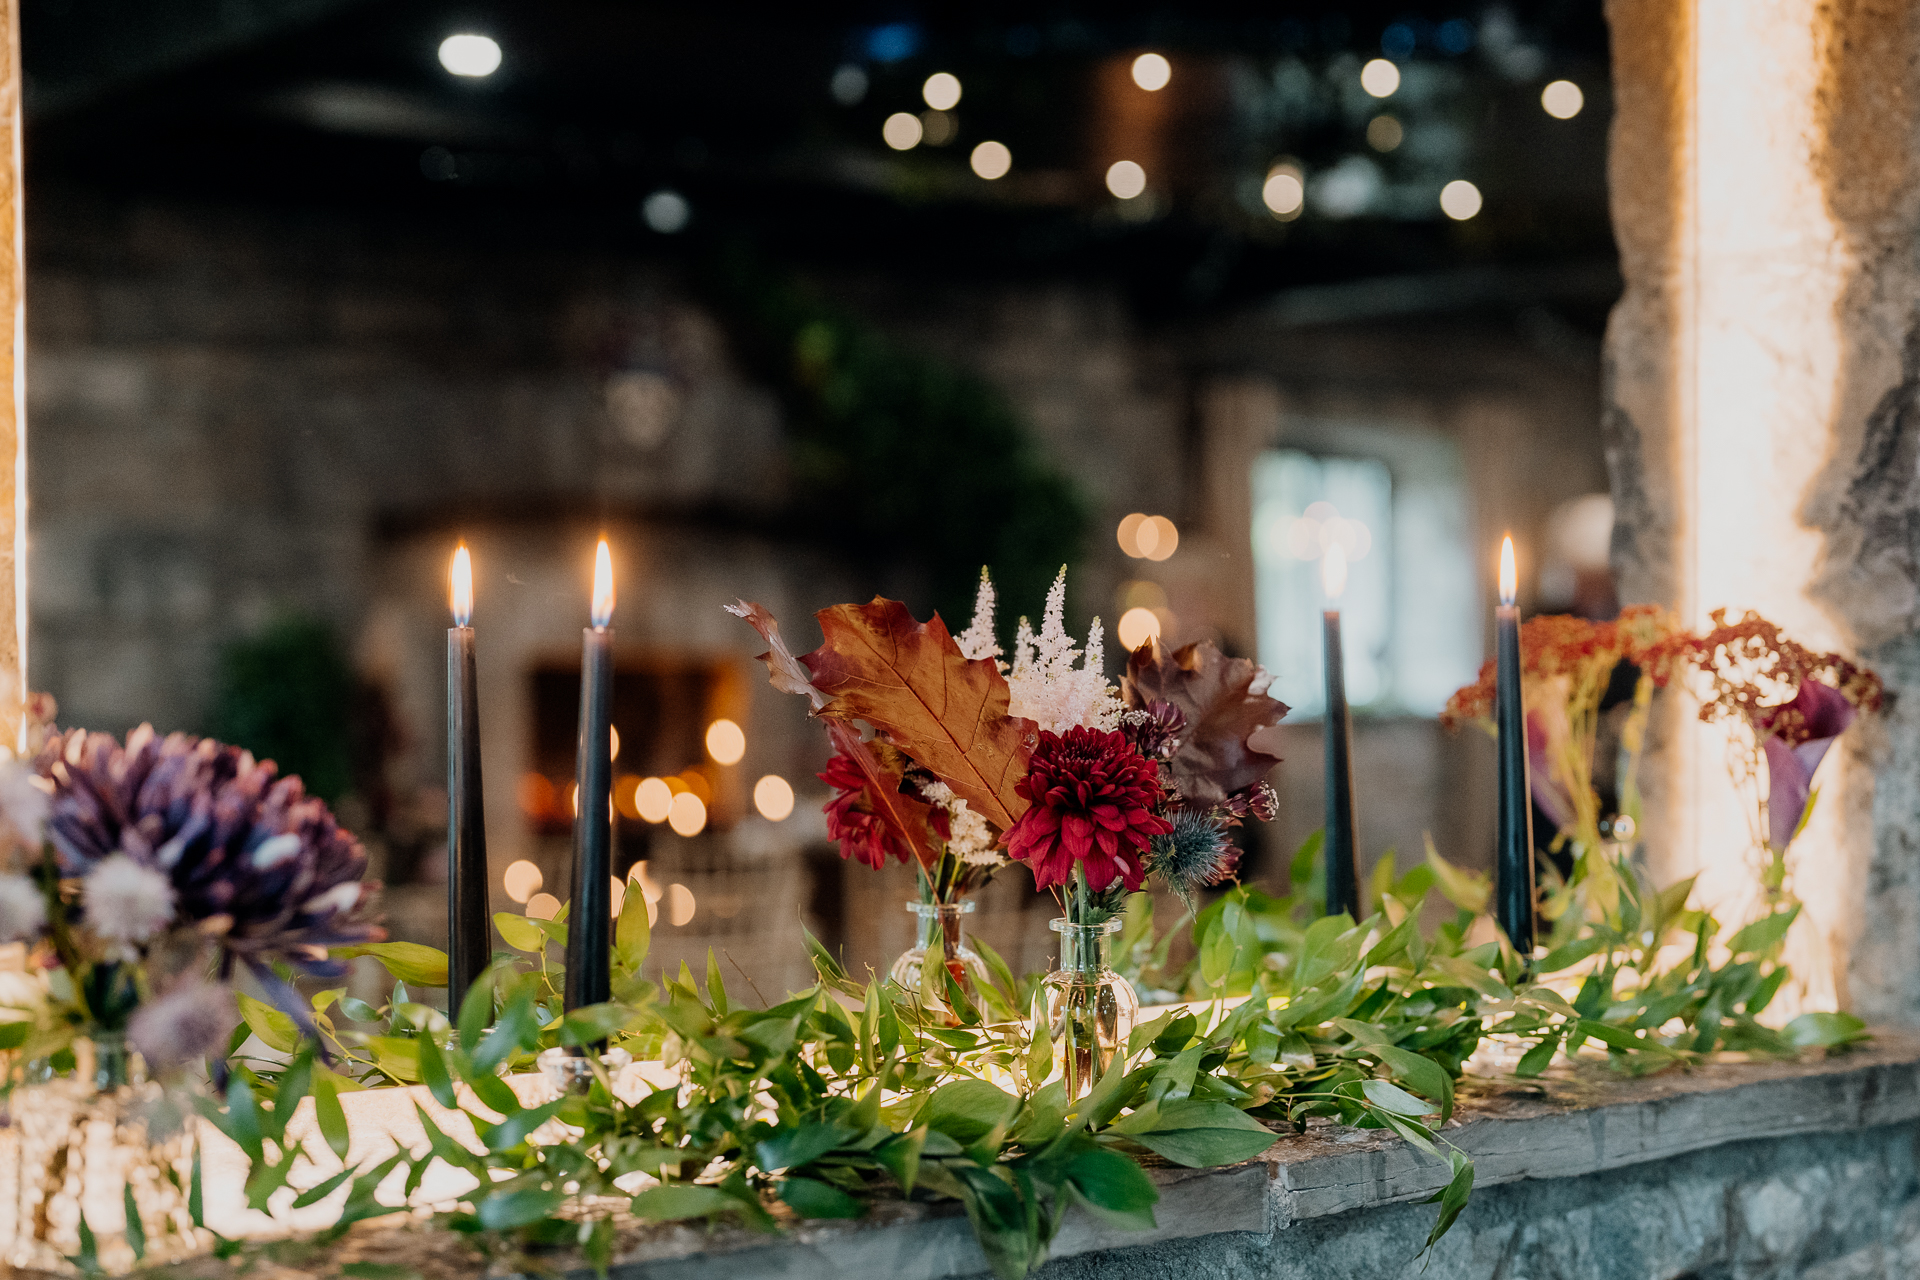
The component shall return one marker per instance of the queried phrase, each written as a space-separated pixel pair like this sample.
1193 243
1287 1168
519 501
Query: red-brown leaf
1215 759
784 671
907 816
910 680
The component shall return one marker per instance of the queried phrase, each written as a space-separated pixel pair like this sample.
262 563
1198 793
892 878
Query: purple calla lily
1798 734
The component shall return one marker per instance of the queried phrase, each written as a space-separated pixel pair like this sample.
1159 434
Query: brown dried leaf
1216 692
910 680
907 816
784 671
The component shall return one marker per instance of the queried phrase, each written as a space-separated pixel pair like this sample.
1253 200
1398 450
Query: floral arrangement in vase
1095 786
141 878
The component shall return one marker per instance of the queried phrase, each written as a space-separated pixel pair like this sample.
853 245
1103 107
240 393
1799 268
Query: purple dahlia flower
255 863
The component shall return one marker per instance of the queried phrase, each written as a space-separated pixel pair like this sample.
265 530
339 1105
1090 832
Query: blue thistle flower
1194 854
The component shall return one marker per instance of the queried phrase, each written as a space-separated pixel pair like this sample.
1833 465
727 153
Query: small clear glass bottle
1090 1008
940 922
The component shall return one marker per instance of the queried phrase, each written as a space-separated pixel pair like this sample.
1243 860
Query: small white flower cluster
1044 684
24 802
126 901
969 837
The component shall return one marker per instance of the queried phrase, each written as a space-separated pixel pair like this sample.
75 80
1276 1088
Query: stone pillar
1763 422
13 404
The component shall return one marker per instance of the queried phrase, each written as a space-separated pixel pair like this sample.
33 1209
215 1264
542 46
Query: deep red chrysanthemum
850 818
1092 800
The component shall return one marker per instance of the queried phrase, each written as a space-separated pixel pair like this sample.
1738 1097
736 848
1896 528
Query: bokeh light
938 128
1562 99
1137 626
1384 133
626 790
773 797
901 131
619 895
666 212
1126 179
1380 78
543 906
613 743
470 55
536 795
653 799
1158 538
941 91
1128 535
1152 72
680 904
1460 200
849 84
992 160
726 742
688 814
522 880
1285 191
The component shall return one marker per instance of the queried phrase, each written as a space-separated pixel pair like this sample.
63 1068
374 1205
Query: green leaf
1391 1097
633 932
517 1208
423 966
516 1030
514 1130
1763 935
1452 1198
1196 1134
814 1199
680 1200
136 1231
1114 1187
14 1034
378 1271
1464 889
1537 1059
434 1073
1421 1074
273 1028
519 932
901 1157
967 1110
593 1023
330 1115
1824 1030
795 1148
1564 957
321 1190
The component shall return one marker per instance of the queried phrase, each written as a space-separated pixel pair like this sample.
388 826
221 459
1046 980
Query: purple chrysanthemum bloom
255 863
1155 730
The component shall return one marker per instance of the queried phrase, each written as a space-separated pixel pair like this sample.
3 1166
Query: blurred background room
798 304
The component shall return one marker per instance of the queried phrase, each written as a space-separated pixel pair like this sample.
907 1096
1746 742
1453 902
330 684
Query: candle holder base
570 1070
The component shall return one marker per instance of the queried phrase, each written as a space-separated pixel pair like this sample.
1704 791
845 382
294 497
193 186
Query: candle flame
1333 571
1509 580
462 586
602 586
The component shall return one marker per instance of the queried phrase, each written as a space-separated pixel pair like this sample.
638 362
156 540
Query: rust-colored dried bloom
1585 652
1092 798
851 821
1752 666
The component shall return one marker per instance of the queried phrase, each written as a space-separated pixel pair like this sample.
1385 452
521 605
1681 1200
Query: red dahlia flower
1092 802
862 833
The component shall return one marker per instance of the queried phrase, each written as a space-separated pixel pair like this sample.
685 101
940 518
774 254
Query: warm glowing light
725 742
938 128
613 742
522 880
1158 538
773 797
602 586
1380 78
1509 580
942 91
625 792
1129 533
470 55
679 904
543 906
1460 200
653 799
649 887
687 815
902 131
1285 191
462 586
694 780
1152 72
1137 626
1562 99
619 895
992 160
1384 133
1126 179
573 799
1333 572
535 794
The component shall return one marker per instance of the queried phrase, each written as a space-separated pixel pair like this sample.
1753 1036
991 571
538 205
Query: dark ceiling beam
78 52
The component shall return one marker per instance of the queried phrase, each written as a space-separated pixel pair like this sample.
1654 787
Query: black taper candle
589 922
1342 846
1513 853
467 880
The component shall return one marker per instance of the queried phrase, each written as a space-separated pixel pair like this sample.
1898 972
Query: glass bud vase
1090 1008
939 922
99 1169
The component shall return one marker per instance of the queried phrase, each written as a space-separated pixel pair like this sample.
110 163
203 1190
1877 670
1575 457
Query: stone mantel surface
1739 1169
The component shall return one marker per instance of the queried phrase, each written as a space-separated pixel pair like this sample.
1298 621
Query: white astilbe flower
126 901
1044 684
969 837
23 908
24 802
977 641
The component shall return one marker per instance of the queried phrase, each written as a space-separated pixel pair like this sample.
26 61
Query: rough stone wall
1830 1207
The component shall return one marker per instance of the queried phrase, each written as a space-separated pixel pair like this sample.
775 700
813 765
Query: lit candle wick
1333 572
1508 578
602 587
462 587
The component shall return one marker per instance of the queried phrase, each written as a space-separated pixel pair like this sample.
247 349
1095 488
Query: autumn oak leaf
784 671
910 681
1225 704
